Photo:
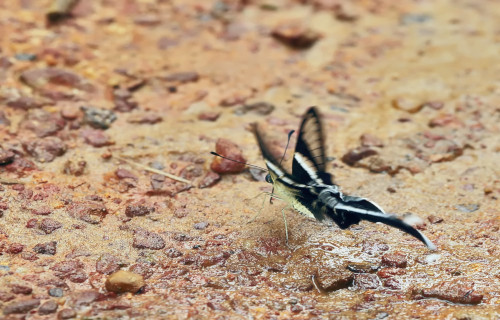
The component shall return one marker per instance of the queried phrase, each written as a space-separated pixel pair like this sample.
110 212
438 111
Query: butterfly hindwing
309 159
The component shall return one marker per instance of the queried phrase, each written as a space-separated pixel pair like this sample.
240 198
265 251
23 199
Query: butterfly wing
309 159
354 209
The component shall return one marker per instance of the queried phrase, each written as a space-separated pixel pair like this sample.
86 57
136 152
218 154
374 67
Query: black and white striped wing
309 159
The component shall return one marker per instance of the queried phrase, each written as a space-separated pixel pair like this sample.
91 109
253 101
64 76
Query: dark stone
49 248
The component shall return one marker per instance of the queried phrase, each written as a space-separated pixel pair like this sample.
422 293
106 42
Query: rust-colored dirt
409 93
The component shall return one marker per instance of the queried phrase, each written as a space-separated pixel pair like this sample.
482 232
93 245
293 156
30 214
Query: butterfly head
268 178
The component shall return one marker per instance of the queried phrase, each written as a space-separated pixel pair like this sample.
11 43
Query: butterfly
309 188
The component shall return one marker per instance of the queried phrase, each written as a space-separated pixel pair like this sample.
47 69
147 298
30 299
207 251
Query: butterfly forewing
309 160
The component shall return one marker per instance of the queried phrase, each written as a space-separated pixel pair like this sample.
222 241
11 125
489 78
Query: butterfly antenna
282 158
287 143
247 164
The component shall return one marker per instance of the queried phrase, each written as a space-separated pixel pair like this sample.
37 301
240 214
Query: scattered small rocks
124 281
260 108
209 180
434 219
45 149
43 123
148 240
56 292
20 289
49 225
15 248
75 169
295 35
369 140
73 270
386 273
85 298
89 211
145 118
209 116
446 120
66 314
182 77
396 259
467 208
48 307
26 102
70 112
201 225
6 156
230 150
357 154
22 306
49 248
364 281
332 279
362 267
373 248
138 210
457 291
124 101
96 138
98 118
108 263
55 82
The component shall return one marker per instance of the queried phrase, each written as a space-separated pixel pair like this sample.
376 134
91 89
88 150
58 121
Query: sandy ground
409 93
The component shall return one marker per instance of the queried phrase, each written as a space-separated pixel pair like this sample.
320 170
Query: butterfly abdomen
328 199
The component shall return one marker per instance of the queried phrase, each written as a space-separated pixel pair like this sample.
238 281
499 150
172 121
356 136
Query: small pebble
124 281
56 292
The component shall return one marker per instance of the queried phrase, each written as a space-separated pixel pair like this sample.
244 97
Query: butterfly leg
271 195
286 225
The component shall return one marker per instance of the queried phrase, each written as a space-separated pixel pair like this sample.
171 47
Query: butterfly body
309 188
